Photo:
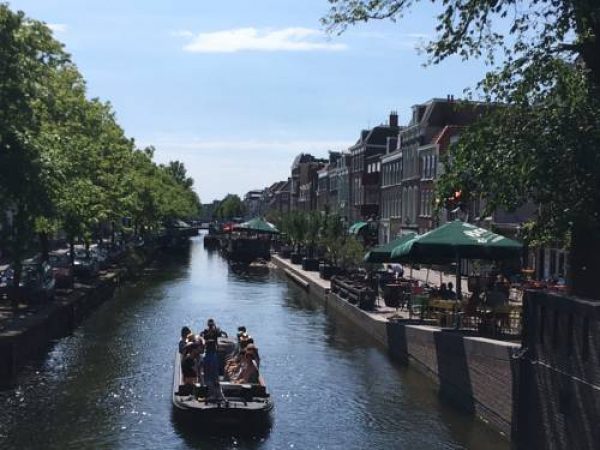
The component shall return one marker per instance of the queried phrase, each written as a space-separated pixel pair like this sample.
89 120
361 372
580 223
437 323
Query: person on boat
233 367
211 360
249 368
185 333
189 368
254 350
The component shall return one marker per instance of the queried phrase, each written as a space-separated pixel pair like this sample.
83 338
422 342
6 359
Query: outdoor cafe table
442 310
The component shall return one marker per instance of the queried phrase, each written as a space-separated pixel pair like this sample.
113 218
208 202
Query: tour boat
240 402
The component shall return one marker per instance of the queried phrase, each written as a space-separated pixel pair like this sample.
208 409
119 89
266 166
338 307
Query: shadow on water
204 435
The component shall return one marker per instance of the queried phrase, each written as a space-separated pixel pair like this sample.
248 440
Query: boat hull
235 408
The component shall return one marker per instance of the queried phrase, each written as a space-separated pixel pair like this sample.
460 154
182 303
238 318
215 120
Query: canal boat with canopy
242 403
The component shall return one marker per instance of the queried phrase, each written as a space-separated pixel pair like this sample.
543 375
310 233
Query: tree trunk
584 261
44 246
72 251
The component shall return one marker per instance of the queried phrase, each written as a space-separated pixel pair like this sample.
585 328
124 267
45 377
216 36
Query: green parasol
457 239
383 253
257 225
356 227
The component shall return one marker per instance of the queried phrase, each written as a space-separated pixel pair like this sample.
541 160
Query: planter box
366 300
326 271
296 258
310 264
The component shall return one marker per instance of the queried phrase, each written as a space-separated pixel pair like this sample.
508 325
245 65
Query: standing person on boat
211 336
185 333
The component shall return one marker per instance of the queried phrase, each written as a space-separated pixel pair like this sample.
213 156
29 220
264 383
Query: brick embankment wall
559 401
477 375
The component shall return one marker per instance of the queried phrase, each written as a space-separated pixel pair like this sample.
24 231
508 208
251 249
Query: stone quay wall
560 373
478 375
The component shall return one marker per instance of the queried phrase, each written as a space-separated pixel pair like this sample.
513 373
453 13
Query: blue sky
235 89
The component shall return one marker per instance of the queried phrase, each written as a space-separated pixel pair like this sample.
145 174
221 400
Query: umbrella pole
458 293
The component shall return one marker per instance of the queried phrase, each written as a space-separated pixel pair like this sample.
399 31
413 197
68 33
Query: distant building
391 192
366 167
278 197
253 201
304 180
428 134
327 184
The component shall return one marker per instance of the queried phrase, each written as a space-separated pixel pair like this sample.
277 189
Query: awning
383 253
356 227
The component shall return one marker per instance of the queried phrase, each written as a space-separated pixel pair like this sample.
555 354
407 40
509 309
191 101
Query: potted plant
311 239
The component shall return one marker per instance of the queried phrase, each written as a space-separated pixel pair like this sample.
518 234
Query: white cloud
58 27
293 39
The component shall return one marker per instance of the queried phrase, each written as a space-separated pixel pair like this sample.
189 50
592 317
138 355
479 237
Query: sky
235 89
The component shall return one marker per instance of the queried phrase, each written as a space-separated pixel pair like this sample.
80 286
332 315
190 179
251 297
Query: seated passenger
185 333
189 368
254 351
233 367
249 369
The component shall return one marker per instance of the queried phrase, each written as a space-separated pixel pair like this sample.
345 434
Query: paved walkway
381 313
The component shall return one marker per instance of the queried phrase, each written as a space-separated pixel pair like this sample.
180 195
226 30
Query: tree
545 59
230 207
334 237
28 56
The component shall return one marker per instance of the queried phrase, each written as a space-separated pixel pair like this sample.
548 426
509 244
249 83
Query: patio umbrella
356 227
383 253
457 240
257 225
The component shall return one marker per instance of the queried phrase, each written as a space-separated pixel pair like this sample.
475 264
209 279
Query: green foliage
65 163
542 146
334 237
351 254
230 207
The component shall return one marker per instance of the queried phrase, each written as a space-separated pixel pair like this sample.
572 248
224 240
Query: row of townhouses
388 176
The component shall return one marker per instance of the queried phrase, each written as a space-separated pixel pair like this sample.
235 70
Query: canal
109 384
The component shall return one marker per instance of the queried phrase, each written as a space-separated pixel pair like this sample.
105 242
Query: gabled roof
377 135
440 112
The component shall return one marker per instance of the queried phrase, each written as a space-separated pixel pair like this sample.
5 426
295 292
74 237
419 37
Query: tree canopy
65 163
230 207
542 145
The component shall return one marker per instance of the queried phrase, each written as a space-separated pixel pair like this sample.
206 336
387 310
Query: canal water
109 384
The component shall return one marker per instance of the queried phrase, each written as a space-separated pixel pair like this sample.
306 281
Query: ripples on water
109 384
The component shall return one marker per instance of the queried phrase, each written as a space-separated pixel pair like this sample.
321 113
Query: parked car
6 276
99 254
86 266
60 260
37 280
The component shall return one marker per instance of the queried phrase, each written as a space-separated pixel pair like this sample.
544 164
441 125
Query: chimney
393 119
